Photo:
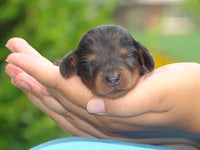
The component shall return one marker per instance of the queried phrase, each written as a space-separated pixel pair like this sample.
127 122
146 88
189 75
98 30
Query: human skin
167 99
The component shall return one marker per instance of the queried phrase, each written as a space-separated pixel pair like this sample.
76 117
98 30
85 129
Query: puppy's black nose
113 79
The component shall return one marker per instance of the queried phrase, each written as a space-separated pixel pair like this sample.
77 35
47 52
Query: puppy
108 60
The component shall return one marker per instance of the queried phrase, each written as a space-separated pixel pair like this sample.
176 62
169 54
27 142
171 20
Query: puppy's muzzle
113 79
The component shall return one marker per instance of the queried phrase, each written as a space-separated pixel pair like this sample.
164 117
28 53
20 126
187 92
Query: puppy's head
108 60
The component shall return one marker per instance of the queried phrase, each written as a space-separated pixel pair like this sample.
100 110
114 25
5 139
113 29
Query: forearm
190 99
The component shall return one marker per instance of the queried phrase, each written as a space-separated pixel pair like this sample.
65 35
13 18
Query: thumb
148 96
136 102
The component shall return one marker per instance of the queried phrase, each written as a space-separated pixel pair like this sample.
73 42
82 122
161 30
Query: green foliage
53 28
192 7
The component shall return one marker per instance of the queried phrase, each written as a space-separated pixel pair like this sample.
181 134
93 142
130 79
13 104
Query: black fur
106 50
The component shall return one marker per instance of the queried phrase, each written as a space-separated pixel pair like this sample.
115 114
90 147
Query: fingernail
10 48
96 106
11 73
22 85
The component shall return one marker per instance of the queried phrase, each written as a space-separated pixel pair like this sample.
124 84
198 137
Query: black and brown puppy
108 60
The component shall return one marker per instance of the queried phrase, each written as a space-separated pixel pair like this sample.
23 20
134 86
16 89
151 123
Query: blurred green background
55 27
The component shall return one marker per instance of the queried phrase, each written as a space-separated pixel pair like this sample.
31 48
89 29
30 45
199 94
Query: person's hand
165 100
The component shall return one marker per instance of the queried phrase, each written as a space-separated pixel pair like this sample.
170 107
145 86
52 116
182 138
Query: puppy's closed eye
85 67
108 60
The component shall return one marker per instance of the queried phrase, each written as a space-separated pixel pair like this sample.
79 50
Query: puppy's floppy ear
146 60
68 65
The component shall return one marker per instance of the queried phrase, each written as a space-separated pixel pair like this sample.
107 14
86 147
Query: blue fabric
79 143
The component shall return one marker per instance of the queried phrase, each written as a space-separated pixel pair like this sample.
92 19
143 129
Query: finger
30 85
64 124
12 70
49 76
19 45
44 72
84 125
49 105
76 110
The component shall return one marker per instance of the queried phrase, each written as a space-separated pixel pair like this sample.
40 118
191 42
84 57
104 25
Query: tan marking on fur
123 51
91 57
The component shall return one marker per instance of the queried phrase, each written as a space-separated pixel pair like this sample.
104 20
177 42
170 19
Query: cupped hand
167 99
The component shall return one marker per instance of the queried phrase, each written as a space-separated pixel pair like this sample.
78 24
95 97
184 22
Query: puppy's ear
68 65
146 60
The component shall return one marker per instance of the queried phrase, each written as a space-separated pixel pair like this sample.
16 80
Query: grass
178 47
